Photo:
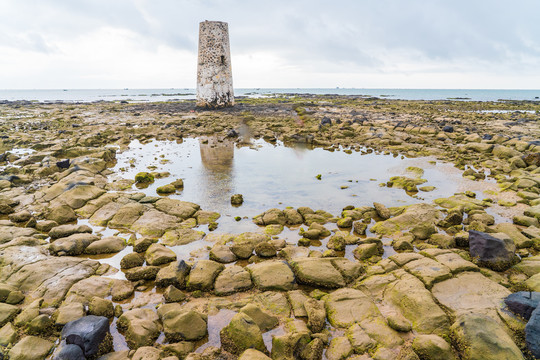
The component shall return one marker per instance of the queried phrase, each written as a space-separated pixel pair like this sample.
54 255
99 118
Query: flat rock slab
456 263
416 303
177 237
30 270
154 223
8 233
482 337
530 265
31 348
272 275
470 291
348 306
428 270
317 272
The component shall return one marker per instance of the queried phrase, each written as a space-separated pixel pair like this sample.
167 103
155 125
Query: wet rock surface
90 234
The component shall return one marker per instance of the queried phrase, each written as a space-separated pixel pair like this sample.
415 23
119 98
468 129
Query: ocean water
149 95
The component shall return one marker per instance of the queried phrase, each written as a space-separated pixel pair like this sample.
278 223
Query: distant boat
126 89
64 90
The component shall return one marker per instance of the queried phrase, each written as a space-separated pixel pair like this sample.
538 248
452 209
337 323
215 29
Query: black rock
448 129
523 303
487 137
87 332
63 164
490 251
232 133
532 333
70 352
326 121
338 121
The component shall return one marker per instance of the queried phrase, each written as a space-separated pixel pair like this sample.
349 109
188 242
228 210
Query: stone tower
214 74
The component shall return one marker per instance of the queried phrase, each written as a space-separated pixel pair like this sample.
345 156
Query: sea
177 94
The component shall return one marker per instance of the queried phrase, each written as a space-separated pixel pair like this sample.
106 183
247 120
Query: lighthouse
214 73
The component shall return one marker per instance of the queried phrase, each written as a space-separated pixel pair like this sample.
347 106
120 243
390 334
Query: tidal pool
273 175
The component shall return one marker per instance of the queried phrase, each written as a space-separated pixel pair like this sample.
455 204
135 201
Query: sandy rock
8 334
102 287
101 307
432 347
272 275
158 254
241 334
177 237
222 254
106 245
31 348
7 313
470 291
414 215
72 245
69 312
181 324
264 321
339 348
428 271
140 327
131 260
232 279
63 231
416 304
251 354
481 337
126 215
203 275
174 274
317 272
181 209
154 223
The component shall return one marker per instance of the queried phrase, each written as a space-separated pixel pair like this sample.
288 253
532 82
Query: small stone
241 334
172 294
237 199
265 249
40 325
101 307
382 210
398 322
8 334
432 347
131 260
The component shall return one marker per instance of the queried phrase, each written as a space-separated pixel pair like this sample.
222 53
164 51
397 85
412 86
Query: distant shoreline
153 95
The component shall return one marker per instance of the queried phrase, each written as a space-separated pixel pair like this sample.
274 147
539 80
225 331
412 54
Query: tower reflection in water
217 157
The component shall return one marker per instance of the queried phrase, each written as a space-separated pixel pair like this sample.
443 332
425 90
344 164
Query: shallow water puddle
269 176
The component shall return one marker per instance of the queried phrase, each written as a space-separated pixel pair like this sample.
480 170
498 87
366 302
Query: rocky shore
462 280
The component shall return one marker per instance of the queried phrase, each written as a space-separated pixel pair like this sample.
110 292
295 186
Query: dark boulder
326 121
448 129
523 303
63 164
87 332
70 352
487 137
495 251
532 333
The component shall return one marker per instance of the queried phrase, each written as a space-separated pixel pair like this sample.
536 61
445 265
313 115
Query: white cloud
282 43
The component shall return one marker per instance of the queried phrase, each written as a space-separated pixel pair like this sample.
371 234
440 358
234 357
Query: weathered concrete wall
214 73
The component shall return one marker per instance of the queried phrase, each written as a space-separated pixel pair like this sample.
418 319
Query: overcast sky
274 43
